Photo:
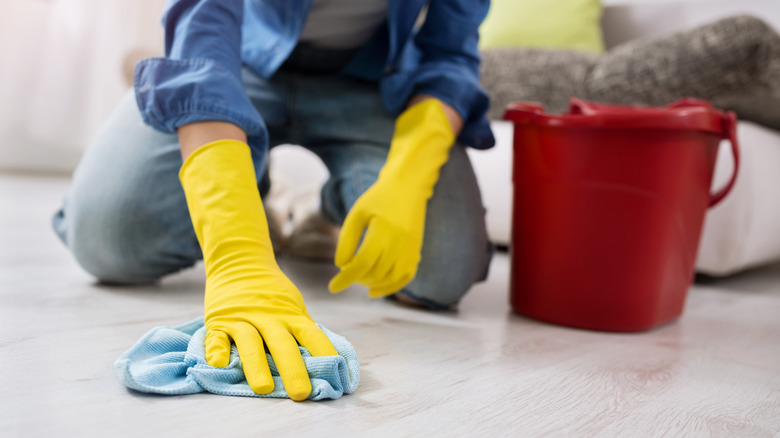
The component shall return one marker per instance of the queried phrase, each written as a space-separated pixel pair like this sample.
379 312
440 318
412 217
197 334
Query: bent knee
107 251
115 241
443 285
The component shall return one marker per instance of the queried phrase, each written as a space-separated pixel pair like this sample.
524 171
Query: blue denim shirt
208 41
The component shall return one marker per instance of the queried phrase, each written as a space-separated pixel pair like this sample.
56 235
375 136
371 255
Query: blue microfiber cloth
172 361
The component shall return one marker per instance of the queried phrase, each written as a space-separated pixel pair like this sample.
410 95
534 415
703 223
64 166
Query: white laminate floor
482 371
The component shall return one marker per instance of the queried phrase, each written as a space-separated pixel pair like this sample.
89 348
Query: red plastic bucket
609 203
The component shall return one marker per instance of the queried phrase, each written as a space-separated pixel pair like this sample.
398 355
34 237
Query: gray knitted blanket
733 63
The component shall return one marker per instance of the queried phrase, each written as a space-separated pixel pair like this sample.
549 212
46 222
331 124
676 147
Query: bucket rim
687 114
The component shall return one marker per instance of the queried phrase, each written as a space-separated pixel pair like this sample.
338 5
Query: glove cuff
227 213
421 144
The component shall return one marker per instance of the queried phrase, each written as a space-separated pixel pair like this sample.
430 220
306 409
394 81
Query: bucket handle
730 126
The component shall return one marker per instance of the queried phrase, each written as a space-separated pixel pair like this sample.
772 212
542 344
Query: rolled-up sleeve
199 78
448 67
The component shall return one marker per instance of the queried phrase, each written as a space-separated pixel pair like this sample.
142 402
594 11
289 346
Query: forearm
194 135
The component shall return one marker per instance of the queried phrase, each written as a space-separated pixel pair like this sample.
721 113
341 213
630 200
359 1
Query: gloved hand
392 211
248 298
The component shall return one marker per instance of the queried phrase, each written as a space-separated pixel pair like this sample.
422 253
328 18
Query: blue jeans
125 217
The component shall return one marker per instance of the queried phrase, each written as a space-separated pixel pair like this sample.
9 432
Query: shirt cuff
451 83
171 93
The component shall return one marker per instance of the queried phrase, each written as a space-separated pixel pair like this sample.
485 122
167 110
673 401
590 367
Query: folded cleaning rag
172 361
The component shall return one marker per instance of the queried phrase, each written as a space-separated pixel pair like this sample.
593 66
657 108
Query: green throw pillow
564 24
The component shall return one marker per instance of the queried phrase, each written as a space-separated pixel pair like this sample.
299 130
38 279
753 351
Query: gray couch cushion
733 63
550 77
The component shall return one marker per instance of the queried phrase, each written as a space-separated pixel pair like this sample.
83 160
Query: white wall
61 73
62 61
629 19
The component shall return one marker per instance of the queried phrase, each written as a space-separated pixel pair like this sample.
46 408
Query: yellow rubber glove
392 211
248 297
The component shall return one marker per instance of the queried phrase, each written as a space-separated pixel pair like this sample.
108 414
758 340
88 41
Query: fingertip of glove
217 346
217 360
334 286
300 394
263 388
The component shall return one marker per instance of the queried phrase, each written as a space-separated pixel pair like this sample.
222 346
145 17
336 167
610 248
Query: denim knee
442 282
118 239
101 242
456 251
